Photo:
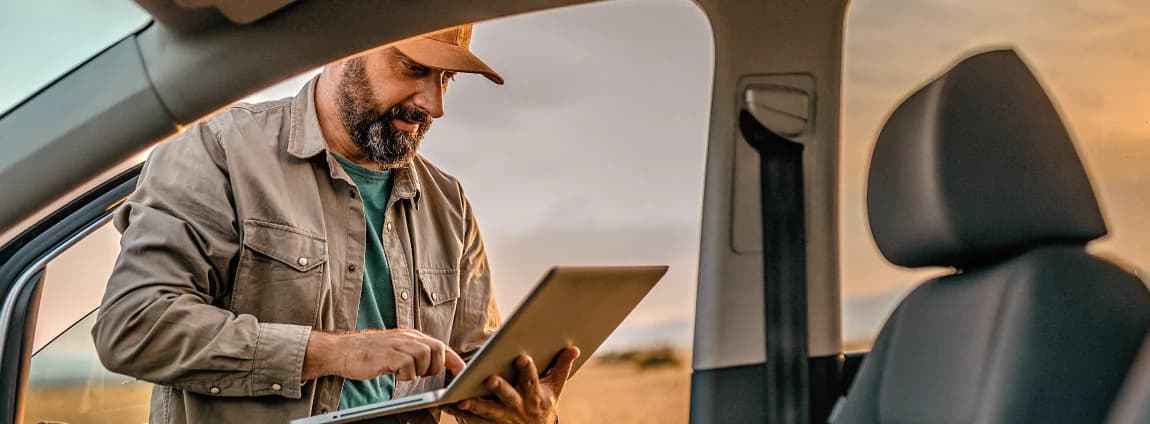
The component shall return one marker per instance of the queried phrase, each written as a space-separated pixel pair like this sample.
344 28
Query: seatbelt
784 271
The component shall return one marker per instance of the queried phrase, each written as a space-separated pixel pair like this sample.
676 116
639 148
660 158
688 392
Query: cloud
602 114
576 56
593 152
1085 52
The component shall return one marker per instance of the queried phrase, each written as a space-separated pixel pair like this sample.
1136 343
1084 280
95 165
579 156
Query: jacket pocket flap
293 247
439 285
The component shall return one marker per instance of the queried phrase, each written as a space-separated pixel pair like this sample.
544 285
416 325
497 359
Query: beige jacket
243 235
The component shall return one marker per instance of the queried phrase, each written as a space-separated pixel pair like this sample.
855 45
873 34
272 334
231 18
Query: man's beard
372 130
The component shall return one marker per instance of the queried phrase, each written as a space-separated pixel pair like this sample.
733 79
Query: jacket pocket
439 300
280 273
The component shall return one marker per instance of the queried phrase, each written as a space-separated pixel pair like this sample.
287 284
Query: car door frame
769 42
24 265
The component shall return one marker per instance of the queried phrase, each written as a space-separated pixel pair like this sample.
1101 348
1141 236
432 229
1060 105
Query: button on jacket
243 235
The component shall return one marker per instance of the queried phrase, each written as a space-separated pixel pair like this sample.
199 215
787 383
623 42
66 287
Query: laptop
576 305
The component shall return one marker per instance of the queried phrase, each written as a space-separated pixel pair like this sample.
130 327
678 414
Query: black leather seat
1133 404
975 171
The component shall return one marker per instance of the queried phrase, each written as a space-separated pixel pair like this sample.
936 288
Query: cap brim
449 57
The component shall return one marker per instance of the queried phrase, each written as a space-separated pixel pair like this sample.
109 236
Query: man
294 257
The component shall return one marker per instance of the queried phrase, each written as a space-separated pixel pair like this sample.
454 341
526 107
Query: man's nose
430 98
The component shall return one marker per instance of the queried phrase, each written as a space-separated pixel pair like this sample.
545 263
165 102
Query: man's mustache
408 114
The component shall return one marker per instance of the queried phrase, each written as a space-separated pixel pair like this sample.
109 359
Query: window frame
24 266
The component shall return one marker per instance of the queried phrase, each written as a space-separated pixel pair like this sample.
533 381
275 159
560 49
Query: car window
74 283
592 153
40 40
559 166
66 382
1088 55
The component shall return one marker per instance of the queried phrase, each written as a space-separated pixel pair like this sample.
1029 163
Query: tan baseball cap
447 49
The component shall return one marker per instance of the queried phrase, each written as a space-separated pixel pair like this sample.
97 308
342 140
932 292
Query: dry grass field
602 392
120 405
622 393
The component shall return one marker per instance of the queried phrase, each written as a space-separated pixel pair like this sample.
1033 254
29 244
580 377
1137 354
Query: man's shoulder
241 111
242 127
434 180
425 167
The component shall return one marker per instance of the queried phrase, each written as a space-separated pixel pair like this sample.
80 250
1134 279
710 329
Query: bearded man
294 257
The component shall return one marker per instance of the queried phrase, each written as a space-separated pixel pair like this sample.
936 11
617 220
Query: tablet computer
571 305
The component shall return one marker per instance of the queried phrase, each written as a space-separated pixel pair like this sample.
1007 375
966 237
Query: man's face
387 102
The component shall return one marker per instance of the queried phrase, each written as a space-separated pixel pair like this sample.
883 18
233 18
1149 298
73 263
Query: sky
593 151
33 54
591 154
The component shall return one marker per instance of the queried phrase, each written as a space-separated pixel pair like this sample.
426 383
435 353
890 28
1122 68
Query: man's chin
393 161
389 157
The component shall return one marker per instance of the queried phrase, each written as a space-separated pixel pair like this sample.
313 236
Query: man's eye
413 67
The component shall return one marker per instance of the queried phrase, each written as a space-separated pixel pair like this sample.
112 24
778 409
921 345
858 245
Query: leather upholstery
975 165
1133 404
975 171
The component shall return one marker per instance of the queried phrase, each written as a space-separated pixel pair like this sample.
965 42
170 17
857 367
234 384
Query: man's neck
335 133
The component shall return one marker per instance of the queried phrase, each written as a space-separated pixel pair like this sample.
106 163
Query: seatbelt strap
784 271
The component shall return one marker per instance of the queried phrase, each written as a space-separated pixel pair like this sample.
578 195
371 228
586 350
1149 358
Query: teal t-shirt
377 301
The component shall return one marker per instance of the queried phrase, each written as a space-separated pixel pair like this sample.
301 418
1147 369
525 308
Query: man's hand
533 400
363 355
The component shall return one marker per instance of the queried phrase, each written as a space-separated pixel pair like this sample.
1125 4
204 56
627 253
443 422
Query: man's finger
528 378
436 348
486 409
451 409
452 361
420 354
405 370
410 332
561 371
503 390
467 416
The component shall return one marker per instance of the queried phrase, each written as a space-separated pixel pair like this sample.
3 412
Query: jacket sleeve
160 320
477 317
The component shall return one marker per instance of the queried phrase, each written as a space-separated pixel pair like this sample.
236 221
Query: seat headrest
976 166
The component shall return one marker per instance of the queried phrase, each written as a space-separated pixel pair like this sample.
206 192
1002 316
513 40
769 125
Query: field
126 404
623 393
616 391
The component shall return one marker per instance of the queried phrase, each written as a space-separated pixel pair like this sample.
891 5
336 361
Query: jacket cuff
278 360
